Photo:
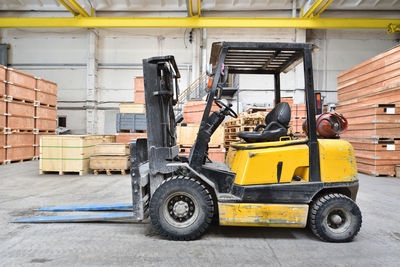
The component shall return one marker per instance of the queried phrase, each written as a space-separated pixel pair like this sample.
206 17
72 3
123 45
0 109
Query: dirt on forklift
269 179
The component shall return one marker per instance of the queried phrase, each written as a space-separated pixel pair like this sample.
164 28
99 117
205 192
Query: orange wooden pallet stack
299 114
139 90
369 97
21 95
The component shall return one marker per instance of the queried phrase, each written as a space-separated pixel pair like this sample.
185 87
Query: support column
92 88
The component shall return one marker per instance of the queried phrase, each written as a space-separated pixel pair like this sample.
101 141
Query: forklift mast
149 157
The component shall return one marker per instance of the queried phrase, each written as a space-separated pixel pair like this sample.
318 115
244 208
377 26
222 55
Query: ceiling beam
311 10
196 22
77 7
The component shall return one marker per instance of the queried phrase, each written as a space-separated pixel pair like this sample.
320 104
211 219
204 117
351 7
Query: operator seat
276 125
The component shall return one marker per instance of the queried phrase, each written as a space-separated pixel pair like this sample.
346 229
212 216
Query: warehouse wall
61 56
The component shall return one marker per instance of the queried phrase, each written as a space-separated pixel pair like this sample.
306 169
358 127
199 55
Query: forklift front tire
335 218
181 209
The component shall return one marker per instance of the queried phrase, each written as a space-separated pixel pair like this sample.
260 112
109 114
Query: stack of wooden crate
194 109
27 110
69 153
369 97
110 157
186 136
131 119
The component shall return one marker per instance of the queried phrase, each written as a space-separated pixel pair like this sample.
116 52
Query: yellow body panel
260 166
272 215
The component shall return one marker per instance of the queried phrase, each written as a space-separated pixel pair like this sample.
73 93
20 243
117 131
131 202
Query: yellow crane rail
197 22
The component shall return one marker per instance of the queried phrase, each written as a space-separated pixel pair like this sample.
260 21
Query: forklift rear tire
335 218
181 208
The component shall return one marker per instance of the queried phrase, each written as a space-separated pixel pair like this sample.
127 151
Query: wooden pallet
110 172
8 162
80 173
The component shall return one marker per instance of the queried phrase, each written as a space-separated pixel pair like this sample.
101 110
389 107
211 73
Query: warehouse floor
22 190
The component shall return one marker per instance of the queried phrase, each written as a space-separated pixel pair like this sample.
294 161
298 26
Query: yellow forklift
269 179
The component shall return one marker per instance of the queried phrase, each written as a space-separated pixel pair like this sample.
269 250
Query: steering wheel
221 104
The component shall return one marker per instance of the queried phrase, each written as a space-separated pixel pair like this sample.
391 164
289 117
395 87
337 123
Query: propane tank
329 124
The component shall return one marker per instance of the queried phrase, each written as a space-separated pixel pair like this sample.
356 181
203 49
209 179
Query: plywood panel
46 86
2 88
46 125
20 139
119 149
20 92
46 99
21 109
132 108
20 153
20 78
46 112
109 162
20 123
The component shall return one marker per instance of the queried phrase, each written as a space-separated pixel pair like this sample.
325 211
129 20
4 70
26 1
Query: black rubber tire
325 206
197 192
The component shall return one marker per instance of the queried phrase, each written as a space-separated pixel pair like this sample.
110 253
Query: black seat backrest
280 113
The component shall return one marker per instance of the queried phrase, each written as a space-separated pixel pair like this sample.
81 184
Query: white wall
61 56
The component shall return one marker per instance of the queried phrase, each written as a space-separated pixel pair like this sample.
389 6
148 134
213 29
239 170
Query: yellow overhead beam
78 7
68 7
316 9
196 22
190 6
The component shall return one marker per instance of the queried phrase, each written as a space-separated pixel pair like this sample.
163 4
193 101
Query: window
62 121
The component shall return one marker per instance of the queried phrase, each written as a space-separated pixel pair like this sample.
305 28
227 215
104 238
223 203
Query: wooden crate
20 153
127 137
67 153
2 155
139 90
215 154
109 163
109 138
46 99
3 73
132 108
20 123
20 109
3 111
194 109
49 113
46 86
187 135
20 139
19 78
46 125
397 171
2 88
383 170
3 140
20 92
109 149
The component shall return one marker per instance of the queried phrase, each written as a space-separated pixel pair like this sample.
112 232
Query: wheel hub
181 208
336 219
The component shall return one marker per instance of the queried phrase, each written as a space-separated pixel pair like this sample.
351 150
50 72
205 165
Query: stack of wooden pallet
110 157
245 122
27 110
369 97
186 136
131 119
299 114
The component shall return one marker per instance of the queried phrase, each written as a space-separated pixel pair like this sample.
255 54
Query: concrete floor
22 190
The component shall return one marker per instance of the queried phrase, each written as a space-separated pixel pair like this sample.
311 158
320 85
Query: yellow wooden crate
117 149
187 135
132 108
67 153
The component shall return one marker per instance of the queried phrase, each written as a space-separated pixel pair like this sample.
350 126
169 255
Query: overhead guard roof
259 57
